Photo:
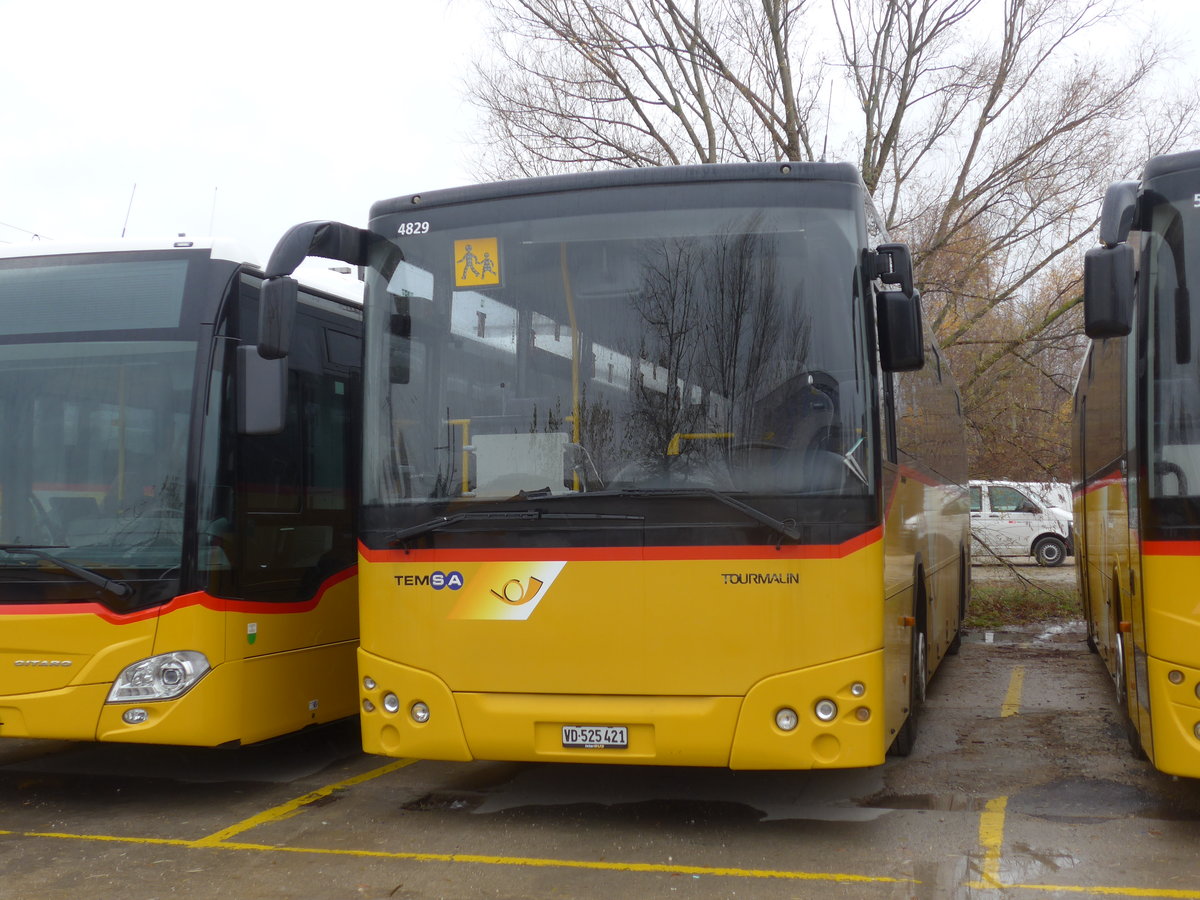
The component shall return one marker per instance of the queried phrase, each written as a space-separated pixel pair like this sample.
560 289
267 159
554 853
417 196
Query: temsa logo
435 580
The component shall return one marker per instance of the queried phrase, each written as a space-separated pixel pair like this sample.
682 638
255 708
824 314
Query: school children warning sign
477 262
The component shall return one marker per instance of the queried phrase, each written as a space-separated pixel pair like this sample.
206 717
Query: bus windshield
564 344
93 449
1172 254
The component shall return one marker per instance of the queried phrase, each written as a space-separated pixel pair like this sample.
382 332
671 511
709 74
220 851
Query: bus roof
793 171
1171 163
317 277
220 248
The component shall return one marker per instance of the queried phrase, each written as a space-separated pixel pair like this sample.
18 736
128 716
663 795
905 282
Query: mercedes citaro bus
659 468
177 551
1137 457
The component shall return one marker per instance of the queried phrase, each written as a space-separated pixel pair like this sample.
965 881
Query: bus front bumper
724 731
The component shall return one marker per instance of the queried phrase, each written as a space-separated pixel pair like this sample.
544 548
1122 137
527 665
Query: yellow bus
1137 458
177 552
657 470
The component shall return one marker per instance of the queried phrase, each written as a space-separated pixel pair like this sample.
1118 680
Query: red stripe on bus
1105 481
183 601
625 554
1171 548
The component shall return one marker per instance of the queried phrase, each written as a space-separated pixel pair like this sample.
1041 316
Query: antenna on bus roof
129 209
828 112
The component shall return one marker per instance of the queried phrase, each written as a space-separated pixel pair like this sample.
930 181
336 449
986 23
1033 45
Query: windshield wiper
781 526
118 588
440 522
785 527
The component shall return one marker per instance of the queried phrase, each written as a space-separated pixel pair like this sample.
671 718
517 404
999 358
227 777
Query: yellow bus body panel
693 655
1171 642
275 668
245 701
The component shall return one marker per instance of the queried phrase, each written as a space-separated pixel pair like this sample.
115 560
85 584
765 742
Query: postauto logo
506 590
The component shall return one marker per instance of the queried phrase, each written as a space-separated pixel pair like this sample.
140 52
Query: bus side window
295 521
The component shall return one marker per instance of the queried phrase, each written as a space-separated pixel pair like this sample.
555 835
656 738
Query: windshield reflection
92 458
708 350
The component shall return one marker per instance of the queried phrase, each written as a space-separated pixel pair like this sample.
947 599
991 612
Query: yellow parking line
1012 700
1172 893
991 839
536 862
110 838
292 807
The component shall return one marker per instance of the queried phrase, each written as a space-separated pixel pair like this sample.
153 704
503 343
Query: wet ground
1021 785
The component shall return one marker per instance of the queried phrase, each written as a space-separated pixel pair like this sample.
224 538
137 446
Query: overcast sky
249 115
243 117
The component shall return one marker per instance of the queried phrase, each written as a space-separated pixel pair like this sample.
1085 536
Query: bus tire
1050 551
1121 683
964 593
906 737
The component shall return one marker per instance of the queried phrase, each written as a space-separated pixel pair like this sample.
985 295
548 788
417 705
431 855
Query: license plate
596 737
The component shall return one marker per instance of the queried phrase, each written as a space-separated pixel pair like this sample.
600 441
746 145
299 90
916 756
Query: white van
1007 521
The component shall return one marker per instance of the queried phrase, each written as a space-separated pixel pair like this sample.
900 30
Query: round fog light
368 682
1175 676
135 716
787 719
1196 730
391 702
368 706
858 689
862 714
826 710
419 713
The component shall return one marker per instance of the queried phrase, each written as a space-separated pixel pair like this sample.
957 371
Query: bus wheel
906 737
964 583
1123 710
1050 551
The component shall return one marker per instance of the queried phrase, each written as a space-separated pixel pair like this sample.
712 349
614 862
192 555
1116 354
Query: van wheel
1050 551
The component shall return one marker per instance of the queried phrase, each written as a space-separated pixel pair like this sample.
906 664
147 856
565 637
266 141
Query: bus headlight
159 677
786 719
826 710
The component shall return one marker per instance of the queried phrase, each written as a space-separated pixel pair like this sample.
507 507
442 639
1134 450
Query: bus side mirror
1108 291
276 312
261 392
893 265
1118 212
901 335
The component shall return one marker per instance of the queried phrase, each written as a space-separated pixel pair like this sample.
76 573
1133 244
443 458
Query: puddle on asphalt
1094 800
1066 634
669 792
950 802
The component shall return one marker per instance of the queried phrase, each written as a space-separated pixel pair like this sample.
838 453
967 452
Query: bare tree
601 83
988 155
